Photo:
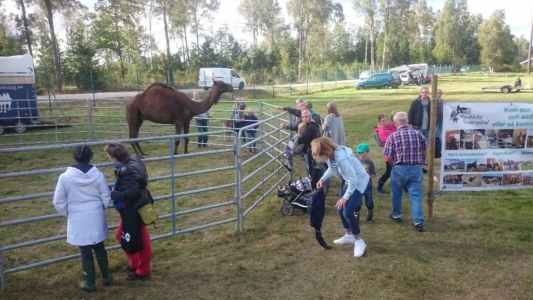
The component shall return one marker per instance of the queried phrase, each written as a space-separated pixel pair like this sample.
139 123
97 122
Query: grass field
477 245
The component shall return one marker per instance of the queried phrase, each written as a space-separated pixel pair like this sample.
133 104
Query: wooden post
431 144
529 53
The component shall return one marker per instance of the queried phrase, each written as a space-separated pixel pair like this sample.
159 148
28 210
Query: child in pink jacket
384 129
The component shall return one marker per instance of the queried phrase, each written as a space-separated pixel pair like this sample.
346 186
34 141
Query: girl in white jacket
82 195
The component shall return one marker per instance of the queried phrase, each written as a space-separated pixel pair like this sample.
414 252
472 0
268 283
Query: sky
518 15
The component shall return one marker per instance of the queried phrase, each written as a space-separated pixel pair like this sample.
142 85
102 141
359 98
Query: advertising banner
487 146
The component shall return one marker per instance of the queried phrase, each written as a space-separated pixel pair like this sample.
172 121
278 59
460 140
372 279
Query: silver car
365 74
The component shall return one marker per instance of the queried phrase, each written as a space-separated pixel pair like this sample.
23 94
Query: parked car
206 76
465 69
406 79
381 80
365 74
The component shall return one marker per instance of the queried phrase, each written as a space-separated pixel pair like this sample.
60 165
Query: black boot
89 272
104 268
369 216
379 189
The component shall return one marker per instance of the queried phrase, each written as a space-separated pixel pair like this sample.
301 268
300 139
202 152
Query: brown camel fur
162 104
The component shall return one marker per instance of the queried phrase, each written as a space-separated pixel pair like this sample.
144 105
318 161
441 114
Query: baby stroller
295 195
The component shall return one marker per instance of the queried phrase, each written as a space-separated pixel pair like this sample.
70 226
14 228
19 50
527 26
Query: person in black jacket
311 132
419 114
131 180
297 113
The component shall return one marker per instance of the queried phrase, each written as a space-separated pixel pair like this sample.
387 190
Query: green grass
477 245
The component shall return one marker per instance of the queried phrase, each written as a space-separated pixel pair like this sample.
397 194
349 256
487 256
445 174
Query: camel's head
220 87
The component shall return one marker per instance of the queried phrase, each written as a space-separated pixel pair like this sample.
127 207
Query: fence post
261 128
321 79
290 83
307 79
273 95
255 79
238 184
91 124
92 81
48 87
138 84
335 77
173 185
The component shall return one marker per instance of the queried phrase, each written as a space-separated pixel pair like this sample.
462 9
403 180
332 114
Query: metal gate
212 186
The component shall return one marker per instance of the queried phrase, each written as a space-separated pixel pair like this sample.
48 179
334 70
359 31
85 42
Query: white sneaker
345 240
359 248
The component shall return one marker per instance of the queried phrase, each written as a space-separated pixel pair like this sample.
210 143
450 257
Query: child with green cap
362 151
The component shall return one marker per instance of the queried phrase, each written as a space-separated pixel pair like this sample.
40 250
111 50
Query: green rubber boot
103 263
89 272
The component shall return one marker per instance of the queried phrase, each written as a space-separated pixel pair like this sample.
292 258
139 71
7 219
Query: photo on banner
487 146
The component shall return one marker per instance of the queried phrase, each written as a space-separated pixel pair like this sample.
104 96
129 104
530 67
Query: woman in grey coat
333 125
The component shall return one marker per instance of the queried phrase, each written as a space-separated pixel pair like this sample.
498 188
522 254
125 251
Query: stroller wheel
287 209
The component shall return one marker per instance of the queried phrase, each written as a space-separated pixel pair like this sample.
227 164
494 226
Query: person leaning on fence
384 130
311 132
406 151
82 195
294 146
295 113
131 179
202 122
344 165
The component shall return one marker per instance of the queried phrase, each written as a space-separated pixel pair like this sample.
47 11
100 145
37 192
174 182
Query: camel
162 104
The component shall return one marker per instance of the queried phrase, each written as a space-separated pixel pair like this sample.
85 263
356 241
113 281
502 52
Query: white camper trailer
206 76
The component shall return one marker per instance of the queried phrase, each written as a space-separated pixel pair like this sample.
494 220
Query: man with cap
362 152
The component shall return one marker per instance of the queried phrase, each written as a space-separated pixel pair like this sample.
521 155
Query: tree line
114 47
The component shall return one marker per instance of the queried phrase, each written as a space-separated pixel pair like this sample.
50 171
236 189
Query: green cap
362 148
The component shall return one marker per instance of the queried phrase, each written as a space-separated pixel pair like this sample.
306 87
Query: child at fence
294 146
362 151
251 132
82 195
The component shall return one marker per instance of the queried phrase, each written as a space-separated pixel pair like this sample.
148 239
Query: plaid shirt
406 146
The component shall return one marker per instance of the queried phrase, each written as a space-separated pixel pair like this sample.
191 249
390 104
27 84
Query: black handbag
130 237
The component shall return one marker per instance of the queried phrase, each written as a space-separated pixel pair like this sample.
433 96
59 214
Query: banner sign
487 146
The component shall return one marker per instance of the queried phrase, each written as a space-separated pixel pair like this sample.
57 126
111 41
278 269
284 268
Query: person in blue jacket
345 166
251 132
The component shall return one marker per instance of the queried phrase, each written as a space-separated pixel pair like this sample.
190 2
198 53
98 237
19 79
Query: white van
229 76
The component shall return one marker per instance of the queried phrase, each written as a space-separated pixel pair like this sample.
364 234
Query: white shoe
345 240
359 248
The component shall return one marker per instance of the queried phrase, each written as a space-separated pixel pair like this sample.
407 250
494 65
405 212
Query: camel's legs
177 140
186 140
134 133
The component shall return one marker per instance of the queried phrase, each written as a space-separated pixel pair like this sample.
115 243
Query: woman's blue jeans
348 219
201 125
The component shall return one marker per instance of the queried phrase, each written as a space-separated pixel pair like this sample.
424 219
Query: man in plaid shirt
405 150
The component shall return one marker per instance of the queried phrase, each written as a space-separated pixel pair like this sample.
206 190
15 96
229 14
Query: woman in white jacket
82 195
344 165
